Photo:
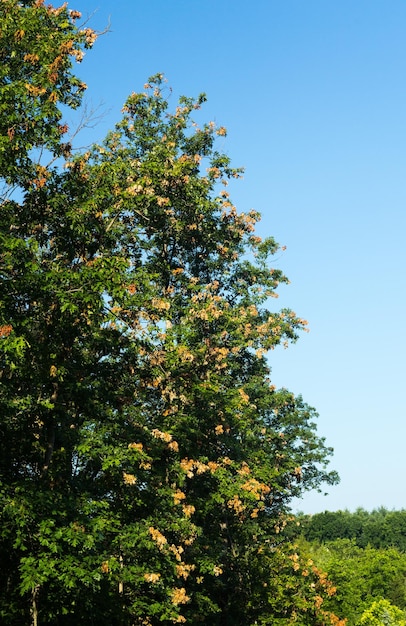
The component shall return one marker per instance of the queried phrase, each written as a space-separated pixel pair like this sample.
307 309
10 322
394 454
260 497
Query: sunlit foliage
147 461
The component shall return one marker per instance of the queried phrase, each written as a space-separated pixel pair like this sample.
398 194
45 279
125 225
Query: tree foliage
147 461
361 576
382 613
37 46
379 528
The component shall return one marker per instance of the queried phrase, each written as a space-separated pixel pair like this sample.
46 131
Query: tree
361 576
147 462
382 613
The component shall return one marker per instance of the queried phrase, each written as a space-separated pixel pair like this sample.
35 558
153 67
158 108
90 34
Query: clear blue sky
313 95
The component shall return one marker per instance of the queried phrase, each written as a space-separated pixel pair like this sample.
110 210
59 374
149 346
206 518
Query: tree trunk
34 605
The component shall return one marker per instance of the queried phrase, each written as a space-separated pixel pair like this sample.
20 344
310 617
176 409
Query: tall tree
147 461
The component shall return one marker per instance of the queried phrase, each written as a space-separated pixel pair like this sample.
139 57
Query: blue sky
313 95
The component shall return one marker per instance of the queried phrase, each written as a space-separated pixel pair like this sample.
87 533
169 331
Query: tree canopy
361 576
381 612
379 528
147 461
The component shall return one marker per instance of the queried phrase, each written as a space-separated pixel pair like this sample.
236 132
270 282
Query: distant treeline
379 529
